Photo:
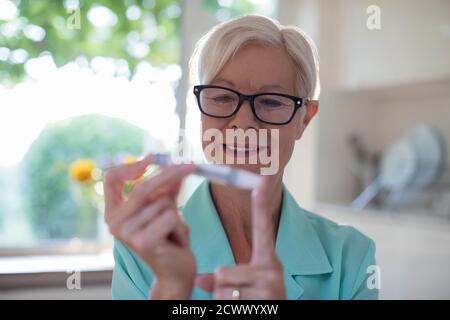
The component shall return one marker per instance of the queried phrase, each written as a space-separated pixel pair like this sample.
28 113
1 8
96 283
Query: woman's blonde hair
216 47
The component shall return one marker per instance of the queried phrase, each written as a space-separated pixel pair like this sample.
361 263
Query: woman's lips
242 151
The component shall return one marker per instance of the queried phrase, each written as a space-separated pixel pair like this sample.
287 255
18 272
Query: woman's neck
234 209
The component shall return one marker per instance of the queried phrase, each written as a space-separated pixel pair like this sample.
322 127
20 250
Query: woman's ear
312 107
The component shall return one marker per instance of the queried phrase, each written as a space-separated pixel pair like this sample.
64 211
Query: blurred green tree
132 30
47 187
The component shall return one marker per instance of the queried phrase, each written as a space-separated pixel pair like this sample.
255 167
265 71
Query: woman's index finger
263 225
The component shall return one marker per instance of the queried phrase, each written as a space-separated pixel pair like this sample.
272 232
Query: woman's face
255 69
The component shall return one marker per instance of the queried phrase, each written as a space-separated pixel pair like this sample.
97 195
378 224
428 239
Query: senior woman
229 243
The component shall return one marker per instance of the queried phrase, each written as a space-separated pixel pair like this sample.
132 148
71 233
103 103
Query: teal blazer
321 259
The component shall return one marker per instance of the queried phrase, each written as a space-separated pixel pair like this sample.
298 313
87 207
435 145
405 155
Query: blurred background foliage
51 197
128 30
132 30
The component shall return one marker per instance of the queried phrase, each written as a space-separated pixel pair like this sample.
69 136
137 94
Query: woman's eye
271 103
223 99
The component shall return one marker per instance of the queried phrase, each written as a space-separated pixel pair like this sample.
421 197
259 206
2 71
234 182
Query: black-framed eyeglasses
272 108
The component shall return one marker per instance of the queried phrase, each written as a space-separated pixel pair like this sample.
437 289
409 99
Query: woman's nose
244 118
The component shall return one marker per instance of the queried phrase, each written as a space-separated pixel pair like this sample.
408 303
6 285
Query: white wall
412 44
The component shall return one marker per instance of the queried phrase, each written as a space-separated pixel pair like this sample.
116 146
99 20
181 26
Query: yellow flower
130 160
81 170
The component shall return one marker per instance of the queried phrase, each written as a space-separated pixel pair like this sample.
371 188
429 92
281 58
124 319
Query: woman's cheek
286 146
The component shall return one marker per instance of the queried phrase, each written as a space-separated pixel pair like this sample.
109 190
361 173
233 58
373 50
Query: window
83 85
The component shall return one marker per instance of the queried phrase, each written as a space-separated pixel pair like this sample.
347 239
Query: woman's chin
255 168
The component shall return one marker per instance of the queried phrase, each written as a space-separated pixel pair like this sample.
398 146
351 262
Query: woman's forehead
258 67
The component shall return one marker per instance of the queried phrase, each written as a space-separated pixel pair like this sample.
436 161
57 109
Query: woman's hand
262 278
149 223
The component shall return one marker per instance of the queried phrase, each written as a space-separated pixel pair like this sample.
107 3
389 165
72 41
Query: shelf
427 89
417 219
